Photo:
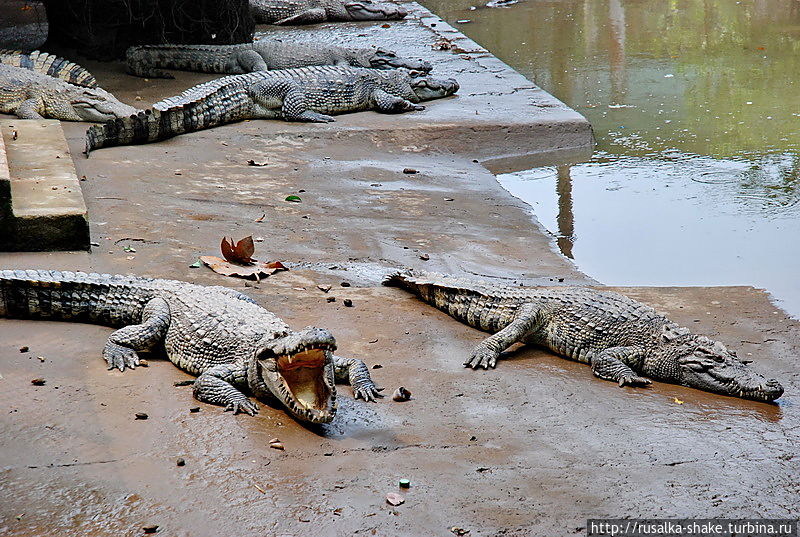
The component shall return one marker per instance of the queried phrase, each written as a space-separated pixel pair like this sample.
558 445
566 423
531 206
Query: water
696 110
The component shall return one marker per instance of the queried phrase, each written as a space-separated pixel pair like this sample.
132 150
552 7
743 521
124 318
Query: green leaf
293 198
196 264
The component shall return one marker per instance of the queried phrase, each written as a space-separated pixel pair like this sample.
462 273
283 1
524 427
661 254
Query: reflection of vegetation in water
704 77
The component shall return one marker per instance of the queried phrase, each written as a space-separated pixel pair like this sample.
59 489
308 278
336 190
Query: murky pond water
696 110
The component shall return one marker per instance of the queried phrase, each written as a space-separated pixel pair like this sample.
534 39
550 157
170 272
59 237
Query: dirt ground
534 447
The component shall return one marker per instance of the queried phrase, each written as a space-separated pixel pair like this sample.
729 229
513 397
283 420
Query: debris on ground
276 444
459 531
394 498
180 462
141 416
347 303
401 394
410 171
405 483
38 382
24 349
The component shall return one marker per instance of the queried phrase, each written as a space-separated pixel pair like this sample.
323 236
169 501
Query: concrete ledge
47 211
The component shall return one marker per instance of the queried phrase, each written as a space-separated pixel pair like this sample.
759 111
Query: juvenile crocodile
49 64
263 55
304 94
222 335
314 11
619 337
31 95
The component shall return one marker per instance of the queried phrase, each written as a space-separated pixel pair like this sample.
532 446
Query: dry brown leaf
256 271
241 252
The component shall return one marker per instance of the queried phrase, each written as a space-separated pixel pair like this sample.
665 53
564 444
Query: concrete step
41 204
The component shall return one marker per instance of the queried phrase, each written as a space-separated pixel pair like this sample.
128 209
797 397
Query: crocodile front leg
218 386
250 61
28 109
615 364
292 98
122 344
488 351
392 104
355 372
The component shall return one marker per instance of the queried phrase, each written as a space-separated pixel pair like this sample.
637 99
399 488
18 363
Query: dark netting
103 29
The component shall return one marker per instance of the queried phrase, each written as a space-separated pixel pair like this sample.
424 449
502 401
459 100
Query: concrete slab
47 207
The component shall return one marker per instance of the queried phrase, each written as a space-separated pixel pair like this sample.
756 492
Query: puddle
695 180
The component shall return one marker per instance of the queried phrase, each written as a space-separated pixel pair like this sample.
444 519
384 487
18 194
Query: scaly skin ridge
49 64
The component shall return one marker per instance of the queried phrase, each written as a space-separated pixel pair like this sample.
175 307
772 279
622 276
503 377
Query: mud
532 448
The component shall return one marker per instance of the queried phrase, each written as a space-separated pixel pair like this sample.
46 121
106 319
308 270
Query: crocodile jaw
298 370
428 88
368 11
96 105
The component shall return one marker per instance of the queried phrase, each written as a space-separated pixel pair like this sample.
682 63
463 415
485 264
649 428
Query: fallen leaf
261 218
293 198
459 531
256 271
241 252
196 264
386 25
677 400
394 498
324 288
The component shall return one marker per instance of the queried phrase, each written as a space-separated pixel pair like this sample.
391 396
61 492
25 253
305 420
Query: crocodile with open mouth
234 345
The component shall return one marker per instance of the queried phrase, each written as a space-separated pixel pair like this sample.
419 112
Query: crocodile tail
138 61
145 127
49 64
71 296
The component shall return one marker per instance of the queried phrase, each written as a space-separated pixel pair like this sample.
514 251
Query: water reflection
696 109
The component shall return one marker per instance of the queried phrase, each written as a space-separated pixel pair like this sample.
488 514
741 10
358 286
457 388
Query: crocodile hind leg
615 364
488 351
309 16
355 372
391 104
217 386
121 347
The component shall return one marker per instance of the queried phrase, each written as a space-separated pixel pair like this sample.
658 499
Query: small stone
331 299
404 483
38 382
348 303
152 528
394 499
401 394
424 257
41 358
328 454
277 445
144 363
24 349
345 284
180 462
409 170
377 366
194 409
141 416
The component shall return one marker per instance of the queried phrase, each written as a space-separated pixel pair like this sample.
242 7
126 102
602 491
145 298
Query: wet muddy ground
534 447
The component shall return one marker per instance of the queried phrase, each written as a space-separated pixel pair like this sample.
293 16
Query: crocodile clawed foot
367 393
119 357
482 358
242 405
633 380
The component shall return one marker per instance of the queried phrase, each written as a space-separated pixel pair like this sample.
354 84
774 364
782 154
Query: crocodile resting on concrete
220 334
49 64
31 95
619 337
304 94
314 11
263 55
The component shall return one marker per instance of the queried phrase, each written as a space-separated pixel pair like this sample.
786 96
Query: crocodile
314 11
623 340
49 64
303 94
262 55
233 345
32 95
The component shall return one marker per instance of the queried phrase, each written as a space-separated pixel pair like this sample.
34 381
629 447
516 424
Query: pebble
24 349
348 303
405 483
331 299
194 409
401 394
425 257
141 416
410 170
152 528
180 462
345 284
144 363
38 382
